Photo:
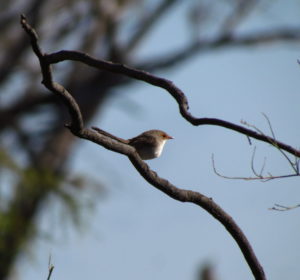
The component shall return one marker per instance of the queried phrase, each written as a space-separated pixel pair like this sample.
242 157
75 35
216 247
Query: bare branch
257 175
260 174
56 88
50 268
294 165
165 186
169 86
270 125
279 207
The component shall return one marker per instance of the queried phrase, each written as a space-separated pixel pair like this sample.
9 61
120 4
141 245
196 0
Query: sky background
137 232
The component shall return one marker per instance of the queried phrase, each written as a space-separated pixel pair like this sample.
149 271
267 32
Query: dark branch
77 122
77 129
169 86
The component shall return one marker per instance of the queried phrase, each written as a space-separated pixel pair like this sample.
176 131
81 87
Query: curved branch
165 186
74 110
169 86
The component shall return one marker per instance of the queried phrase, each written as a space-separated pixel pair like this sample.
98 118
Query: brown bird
149 144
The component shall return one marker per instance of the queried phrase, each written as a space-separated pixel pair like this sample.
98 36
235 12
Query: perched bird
148 145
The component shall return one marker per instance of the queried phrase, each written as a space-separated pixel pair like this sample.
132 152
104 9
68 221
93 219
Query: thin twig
270 125
279 207
260 176
252 164
292 164
257 176
50 268
274 143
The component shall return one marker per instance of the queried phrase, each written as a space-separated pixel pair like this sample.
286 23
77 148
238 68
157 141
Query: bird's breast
158 150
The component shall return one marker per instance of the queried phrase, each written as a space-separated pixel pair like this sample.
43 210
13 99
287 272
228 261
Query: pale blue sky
137 232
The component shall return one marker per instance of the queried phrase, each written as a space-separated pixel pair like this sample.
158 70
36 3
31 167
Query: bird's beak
169 137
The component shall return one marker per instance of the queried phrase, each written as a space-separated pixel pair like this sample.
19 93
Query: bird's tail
109 135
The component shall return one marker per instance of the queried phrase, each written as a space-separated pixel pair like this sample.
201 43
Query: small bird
149 144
